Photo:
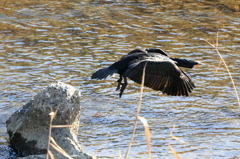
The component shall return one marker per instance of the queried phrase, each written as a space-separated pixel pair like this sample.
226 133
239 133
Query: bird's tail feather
103 73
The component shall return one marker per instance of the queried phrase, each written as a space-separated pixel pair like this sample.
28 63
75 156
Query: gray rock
28 128
57 156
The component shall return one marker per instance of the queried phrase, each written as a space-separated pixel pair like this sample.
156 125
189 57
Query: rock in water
28 128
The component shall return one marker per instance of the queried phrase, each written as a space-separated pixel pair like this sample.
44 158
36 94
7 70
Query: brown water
46 41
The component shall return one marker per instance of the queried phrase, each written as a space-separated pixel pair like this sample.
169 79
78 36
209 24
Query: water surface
48 41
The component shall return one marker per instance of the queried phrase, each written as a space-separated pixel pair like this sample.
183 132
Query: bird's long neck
185 63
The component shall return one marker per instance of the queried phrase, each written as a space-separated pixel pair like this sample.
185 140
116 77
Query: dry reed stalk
52 115
65 126
60 150
169 145
220 62
137 113
51 141
120 154
229 73
174 137
173 152
51 155
54 142
147 134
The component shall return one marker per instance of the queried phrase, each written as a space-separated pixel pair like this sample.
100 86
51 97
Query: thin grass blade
147 134
229 73
173 152
51 154
137 113
61 151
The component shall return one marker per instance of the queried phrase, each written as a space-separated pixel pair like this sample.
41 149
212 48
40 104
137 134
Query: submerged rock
28 128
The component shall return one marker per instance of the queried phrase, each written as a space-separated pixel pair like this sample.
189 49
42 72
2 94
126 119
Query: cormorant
162 72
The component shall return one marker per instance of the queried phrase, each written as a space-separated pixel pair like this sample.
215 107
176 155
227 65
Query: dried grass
174 137
170 146
147 132
229 73
52 142
173 152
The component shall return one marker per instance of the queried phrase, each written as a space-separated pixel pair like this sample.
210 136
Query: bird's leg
119 82
124 85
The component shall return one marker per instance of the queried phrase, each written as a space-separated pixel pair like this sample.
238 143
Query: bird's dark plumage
162 72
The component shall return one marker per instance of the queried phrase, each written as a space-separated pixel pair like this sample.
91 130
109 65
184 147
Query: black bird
162 72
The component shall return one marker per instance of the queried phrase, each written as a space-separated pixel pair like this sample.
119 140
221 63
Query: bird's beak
199 63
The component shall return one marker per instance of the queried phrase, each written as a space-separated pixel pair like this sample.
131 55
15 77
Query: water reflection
43 42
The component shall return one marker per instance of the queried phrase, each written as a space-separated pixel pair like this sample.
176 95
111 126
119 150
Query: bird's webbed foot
124 85
119 83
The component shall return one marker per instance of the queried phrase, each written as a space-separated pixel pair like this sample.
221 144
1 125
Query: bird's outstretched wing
159 51
142 52
163 75
103 73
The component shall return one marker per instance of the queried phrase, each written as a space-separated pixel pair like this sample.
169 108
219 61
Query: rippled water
47 41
